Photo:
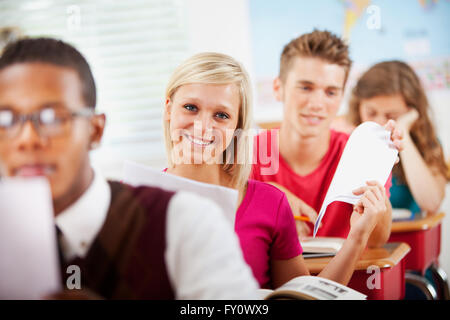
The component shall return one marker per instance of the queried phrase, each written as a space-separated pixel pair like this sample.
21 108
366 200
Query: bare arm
428 189
380 235
365 216
427 185
281 271
340 268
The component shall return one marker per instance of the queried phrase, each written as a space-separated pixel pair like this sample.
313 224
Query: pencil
302 218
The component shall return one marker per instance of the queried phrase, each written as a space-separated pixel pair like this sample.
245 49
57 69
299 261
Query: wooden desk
390 260
418 223
423 235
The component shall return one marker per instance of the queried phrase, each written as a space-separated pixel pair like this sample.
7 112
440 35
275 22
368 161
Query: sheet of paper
29 264
137 174
368 155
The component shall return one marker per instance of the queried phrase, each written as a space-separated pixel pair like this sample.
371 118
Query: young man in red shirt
304 152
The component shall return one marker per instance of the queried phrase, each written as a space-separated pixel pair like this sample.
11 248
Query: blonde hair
396 77
221 69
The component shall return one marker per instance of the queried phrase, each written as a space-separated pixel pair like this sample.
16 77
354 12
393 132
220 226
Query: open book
311 288
321 246
368 155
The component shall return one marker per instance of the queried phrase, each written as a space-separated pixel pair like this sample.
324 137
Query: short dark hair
52 51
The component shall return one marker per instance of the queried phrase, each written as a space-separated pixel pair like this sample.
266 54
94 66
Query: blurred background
133 46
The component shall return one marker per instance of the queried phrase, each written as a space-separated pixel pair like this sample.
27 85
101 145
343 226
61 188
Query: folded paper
368 155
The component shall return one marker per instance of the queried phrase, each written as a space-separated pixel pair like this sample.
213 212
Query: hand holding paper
369 208
369 155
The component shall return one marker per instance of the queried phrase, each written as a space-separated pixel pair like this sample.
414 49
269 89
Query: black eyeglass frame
35 118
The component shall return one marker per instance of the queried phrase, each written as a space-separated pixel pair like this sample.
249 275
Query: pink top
266 229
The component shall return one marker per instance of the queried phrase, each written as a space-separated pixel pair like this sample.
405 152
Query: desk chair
423 235
390 261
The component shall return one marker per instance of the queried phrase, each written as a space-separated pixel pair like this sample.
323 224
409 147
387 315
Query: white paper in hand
29 264
226 198
368 155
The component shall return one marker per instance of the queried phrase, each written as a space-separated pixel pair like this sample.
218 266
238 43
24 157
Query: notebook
318 247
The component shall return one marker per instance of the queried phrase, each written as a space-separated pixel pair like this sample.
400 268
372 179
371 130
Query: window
132 48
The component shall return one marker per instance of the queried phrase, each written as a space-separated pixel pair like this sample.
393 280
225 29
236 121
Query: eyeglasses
48 122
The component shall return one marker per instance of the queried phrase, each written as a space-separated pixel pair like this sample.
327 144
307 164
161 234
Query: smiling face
202 119
382 108
311 95
26 88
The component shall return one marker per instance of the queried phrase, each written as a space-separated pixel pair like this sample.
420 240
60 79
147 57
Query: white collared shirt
203 255
81 222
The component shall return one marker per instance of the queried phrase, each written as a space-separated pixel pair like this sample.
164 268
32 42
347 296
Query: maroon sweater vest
126 260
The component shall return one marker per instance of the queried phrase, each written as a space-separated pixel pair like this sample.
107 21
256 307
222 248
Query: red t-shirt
311 188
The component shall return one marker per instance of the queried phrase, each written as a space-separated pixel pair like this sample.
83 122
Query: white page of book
368 155
322 289
322 244
29 264
226 198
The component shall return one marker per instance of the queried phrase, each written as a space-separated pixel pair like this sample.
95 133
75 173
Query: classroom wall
222 26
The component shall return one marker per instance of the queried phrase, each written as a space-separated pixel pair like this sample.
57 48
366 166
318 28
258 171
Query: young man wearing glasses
130 243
